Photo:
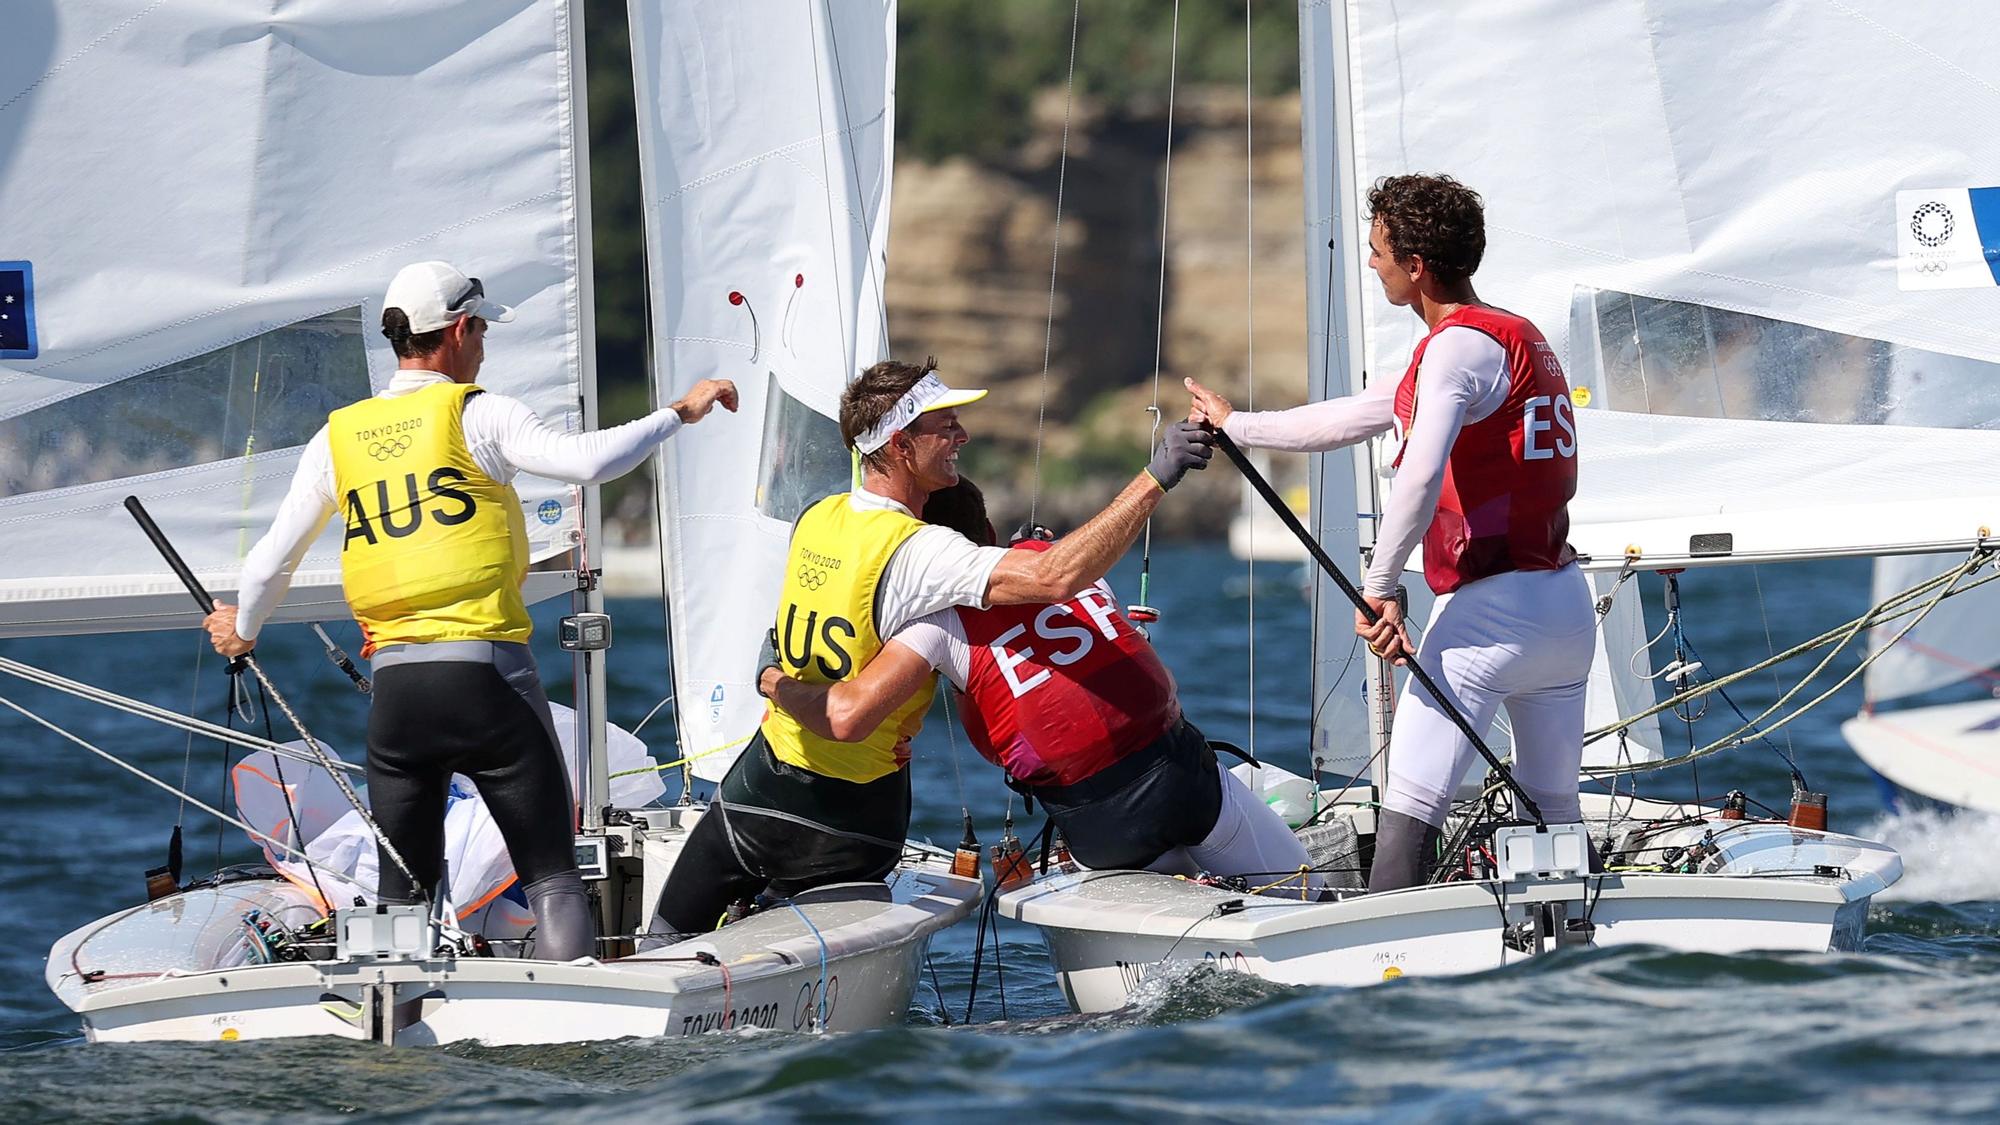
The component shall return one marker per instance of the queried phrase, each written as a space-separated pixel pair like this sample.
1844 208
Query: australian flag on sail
17 311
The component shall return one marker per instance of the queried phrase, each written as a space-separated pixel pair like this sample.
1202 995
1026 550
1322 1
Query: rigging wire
1770 648
189 798
1249 345
144 710
1055 259
1895 606
176 838
383 845
291 810
1939 588
848 349
1160 307
848 127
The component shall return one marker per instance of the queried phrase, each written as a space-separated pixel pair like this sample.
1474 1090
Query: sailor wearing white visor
431 563
799 810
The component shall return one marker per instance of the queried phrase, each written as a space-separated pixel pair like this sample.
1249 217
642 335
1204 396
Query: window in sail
271 391
1673 358
803 458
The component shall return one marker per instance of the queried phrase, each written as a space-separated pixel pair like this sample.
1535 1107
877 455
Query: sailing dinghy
1729 254
185 361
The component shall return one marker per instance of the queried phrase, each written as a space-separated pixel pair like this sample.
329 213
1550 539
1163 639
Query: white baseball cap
435 295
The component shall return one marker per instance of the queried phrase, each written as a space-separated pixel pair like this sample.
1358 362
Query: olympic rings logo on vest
393 447
811 578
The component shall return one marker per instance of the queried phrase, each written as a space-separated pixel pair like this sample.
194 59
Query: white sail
1725 216
765 135
203 204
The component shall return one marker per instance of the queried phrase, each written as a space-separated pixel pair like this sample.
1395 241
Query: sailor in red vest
1071 701
1484 469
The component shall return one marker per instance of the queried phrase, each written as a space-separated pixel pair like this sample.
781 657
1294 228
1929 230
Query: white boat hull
770 971
1777 889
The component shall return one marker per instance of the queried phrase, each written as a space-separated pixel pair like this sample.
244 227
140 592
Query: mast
1335 288
594 785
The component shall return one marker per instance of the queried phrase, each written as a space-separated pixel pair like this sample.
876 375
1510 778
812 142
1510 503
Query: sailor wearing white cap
799 810
432 561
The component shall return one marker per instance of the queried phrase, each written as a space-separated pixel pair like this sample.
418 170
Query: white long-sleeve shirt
504 437
1462 380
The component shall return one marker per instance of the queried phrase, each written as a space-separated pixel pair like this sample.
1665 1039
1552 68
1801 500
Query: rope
326 761
686 760
653 712
185 796
1945 586
1055 257
819 1011
1895 606
1160 305
145 710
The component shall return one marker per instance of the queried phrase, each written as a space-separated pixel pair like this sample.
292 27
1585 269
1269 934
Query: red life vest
1055 693
1510 476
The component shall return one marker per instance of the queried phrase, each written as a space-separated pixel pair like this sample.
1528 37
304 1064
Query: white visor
929 394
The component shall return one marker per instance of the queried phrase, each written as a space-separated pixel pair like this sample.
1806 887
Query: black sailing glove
1186 445
768 658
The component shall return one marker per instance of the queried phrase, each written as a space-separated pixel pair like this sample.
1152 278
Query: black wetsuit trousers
775 828
486 719
1163 796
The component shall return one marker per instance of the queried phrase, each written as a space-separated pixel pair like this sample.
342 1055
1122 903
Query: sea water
1907 1027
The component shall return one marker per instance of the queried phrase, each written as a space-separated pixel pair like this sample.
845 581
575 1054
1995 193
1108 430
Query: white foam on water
1947 857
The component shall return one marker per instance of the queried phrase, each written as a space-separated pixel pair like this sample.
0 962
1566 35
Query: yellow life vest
827 633
435 548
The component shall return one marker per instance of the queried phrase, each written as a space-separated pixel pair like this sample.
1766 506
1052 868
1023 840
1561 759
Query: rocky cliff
969 282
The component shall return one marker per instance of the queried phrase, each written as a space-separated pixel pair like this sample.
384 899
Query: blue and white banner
1948 238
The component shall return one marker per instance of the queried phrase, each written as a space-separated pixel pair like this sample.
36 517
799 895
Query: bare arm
850 709
1079 558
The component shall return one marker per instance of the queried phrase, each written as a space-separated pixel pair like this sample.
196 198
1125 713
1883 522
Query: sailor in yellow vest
798 810
432 560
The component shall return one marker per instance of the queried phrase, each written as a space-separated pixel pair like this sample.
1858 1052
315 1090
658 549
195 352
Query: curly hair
1432 217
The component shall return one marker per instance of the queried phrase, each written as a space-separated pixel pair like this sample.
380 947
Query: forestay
1739 224
202 207
765 146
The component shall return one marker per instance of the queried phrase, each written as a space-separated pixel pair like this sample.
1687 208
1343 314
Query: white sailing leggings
1249 839
1520 639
